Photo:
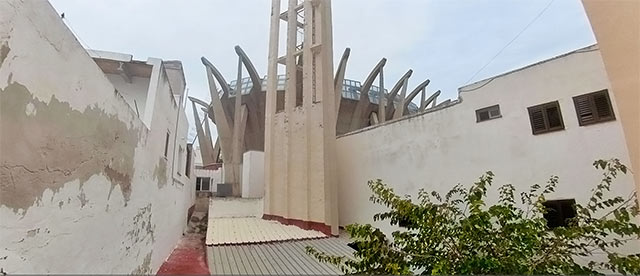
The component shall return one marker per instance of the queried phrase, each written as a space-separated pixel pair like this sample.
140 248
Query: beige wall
84 183
616 24
438 150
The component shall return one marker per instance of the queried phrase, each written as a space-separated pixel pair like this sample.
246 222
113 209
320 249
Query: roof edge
472 87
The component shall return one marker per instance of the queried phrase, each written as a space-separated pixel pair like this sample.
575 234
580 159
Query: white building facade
523 125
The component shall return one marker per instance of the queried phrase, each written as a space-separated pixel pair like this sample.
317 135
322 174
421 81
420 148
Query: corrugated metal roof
280 258
254 230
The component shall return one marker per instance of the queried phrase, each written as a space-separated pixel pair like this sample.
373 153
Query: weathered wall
84 185
437 150
616 25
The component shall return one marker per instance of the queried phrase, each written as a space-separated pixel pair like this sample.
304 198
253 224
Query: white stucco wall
84 184
437 150
253 174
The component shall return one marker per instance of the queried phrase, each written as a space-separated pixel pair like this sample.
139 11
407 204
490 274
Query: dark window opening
559 212
593 108
545 118
488 113
203 183
166 145
187 169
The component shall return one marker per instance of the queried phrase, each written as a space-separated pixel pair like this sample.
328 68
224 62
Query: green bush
458 233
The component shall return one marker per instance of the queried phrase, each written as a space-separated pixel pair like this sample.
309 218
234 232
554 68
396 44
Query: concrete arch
391 104
359 115
251 70
338 80
413 94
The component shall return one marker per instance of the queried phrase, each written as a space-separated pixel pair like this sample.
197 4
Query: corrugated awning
247 230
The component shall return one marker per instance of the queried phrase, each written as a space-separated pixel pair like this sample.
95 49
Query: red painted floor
188 258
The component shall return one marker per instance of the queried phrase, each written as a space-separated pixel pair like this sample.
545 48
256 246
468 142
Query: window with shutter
545 118
488 113
593 108
559 212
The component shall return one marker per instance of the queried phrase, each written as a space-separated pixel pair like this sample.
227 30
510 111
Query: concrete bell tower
300 128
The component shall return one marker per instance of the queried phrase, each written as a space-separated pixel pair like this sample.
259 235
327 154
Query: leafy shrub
459 233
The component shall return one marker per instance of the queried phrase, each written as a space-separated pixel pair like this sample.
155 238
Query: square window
488 113
545 118
594 108
559 212
205 183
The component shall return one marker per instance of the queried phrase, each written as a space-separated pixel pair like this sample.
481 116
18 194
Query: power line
512 40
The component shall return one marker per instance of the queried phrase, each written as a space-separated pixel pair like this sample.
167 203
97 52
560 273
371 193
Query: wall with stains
439 149
85 185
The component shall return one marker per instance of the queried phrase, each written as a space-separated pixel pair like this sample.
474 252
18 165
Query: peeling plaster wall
84 184
438 150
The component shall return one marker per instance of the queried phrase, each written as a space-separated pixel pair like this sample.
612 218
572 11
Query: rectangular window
559 212
545 118
187 169
166 145
594 108
203 183
488 113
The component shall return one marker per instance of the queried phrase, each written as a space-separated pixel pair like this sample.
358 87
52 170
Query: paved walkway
189 256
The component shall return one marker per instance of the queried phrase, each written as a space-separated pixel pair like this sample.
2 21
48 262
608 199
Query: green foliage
459 233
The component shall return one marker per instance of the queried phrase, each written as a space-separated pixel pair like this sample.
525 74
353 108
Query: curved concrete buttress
207 134
205 148
199 101
213 90
216 151
431 98
391 108
359 114
223 83
254 124
253 74
223 116
208 111
338 80
412 95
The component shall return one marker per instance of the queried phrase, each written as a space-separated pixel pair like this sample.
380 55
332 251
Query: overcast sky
447 41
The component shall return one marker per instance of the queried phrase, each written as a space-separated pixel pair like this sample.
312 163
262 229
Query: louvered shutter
584 109
536 115
602 106
593 108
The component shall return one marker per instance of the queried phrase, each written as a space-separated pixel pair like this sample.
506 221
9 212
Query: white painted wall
90 223
253 174
234 207
214 175
437 150
134 92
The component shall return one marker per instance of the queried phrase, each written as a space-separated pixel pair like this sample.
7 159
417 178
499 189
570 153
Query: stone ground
189 256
